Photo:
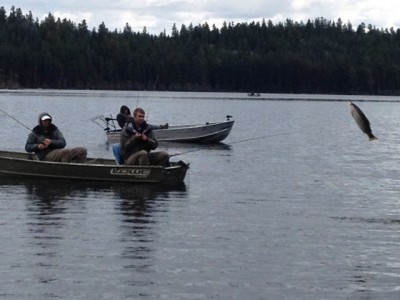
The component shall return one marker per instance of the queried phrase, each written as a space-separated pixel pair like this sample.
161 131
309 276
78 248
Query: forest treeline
317 56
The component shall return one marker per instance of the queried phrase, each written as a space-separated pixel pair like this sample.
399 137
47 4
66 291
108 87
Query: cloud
157 15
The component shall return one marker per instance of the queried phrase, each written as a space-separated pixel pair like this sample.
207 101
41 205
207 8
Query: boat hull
207 133
16 164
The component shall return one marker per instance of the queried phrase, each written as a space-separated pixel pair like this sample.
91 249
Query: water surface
295 204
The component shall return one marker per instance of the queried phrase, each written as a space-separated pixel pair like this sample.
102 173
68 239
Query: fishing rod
15 119
19 122
154 89
235 142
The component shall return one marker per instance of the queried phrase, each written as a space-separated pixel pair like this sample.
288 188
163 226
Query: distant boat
207 133
26 165
253 94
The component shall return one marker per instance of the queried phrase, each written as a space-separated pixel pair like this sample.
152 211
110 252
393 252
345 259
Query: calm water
295 204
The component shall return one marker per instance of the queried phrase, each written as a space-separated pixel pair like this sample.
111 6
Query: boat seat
116 149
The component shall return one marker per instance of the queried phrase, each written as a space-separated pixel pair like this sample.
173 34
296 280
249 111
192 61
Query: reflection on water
309 213
49 191
139 207
384 221
75 228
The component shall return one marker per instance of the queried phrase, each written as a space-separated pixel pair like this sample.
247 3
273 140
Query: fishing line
149 105
15 119
19 122
236 142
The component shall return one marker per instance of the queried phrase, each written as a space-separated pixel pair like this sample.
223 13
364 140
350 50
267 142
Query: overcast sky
157 15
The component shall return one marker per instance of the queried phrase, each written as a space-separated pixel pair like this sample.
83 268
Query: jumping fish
361 121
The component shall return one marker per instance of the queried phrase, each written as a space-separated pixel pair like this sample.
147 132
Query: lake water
295 204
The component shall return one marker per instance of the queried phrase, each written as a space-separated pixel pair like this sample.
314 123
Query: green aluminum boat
26 165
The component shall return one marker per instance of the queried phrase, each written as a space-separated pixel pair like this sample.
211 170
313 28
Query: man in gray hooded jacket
48 143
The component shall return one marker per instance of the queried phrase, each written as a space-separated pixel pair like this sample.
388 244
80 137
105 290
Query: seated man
137 140
48 143
124 116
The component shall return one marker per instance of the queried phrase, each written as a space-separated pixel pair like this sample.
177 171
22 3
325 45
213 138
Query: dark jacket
39 133
130 144
124 116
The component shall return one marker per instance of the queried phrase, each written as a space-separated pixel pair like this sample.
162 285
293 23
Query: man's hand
45 144
141 136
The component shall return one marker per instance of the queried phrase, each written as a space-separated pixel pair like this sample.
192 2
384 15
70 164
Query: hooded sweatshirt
40 133
124 116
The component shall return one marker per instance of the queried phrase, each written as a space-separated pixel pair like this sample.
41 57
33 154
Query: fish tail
372 137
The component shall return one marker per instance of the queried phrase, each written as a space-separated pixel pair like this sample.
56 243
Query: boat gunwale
29 158
212 137
199 137
178 127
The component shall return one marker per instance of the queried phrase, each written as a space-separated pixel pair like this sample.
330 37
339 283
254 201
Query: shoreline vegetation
314 57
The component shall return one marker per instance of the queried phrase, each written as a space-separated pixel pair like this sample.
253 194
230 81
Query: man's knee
160 158
139 158
79 154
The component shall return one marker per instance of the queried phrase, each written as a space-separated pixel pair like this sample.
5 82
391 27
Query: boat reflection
47 197
52 190
115 218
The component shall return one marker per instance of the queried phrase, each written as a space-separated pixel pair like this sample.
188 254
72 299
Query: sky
160 15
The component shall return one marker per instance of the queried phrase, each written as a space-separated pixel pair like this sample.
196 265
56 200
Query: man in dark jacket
137 140
48 143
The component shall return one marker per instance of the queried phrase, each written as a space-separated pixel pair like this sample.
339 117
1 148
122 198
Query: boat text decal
138 173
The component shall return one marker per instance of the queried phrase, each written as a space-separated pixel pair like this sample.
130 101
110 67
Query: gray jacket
39 133
130 144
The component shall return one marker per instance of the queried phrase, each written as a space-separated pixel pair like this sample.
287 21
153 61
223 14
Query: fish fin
372 137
